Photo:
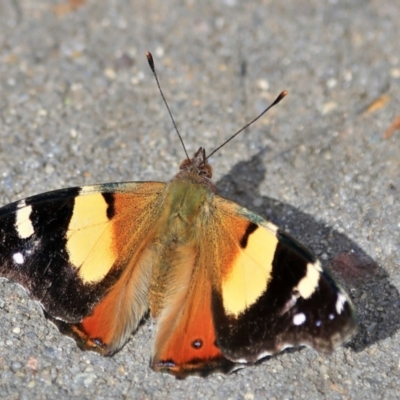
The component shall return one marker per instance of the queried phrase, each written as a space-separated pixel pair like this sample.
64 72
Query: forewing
269 292
82 252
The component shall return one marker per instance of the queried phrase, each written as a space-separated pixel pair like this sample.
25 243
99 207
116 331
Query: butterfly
226 287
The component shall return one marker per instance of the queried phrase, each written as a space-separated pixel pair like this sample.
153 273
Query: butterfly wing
242 290
82 253
186 340
272 293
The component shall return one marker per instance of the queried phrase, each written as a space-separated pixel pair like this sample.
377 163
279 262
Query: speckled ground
78 105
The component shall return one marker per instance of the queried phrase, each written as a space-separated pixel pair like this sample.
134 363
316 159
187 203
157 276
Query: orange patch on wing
135 214
227 252
97 326
194 338
189 346
118 314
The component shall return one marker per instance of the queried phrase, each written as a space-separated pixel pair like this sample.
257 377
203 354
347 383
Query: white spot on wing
18 258
299 319
340 302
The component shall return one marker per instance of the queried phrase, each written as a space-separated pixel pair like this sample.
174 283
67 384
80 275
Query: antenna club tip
279 98
150 60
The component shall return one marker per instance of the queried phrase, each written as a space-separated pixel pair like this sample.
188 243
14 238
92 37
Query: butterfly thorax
188 204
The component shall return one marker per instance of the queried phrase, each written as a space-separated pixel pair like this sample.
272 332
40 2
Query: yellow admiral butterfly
226 286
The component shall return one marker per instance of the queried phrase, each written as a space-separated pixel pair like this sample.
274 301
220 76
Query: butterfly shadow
375 297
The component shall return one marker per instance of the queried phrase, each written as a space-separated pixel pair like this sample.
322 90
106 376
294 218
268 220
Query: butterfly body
225 286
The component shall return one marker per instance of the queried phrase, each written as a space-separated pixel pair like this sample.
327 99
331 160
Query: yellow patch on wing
248 278
90 238
23 224
309 283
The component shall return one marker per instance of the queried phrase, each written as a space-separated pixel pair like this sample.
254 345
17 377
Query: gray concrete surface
78 105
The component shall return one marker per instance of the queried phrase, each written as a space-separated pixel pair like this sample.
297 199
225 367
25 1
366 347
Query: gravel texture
78 105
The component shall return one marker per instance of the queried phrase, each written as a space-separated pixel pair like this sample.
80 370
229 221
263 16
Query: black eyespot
197 344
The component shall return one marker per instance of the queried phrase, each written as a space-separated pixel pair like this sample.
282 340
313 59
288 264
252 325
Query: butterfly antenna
277 100
153 68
